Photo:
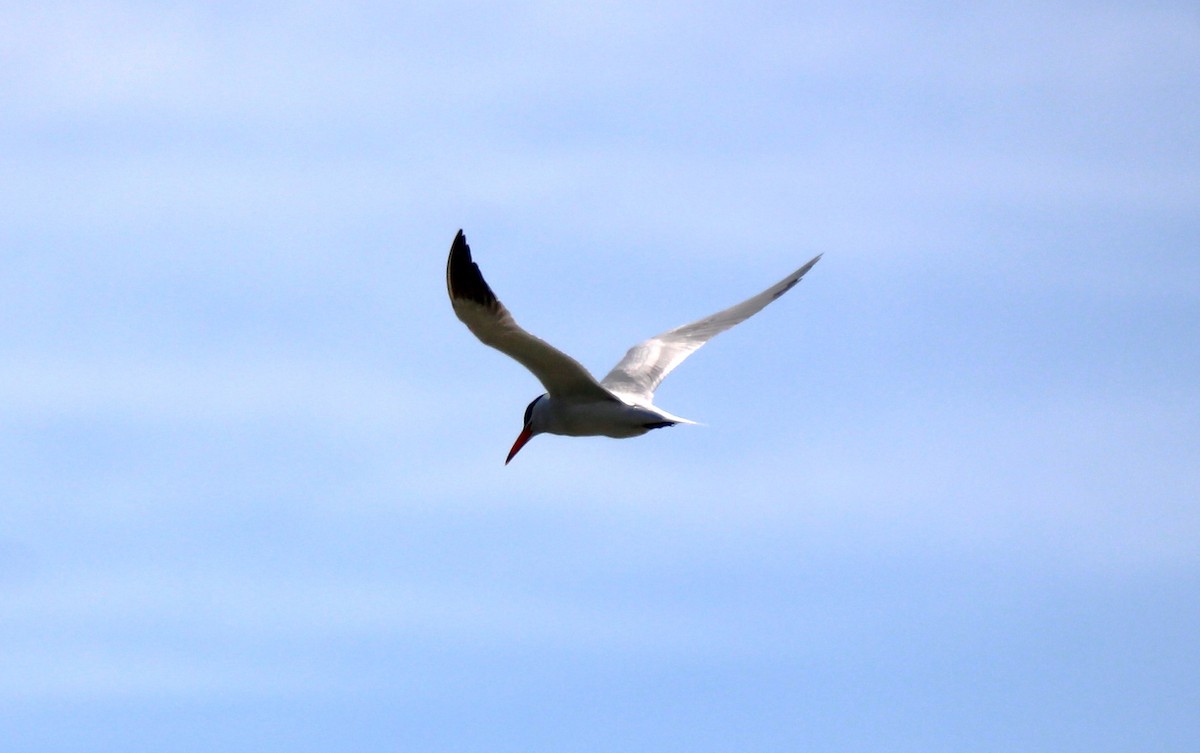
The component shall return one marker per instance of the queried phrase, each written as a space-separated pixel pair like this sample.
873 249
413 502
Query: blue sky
251 480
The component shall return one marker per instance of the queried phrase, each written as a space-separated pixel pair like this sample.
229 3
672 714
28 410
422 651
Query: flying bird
575 404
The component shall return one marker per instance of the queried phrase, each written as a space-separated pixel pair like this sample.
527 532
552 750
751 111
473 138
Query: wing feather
646 364
477 307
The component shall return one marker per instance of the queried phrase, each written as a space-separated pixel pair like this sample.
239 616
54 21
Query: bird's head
531 426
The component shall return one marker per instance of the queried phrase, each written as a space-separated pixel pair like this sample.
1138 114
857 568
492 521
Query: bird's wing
478 308
646 364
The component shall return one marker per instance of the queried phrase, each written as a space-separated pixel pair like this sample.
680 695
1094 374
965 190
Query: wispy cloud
219 392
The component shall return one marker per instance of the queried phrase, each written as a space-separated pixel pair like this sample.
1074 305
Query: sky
944 495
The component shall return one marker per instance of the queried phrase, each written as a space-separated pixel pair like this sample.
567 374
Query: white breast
607 418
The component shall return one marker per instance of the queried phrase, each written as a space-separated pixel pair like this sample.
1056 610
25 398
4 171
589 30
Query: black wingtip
463 278
797 276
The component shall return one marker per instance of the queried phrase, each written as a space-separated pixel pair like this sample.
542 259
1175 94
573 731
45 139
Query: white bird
575 404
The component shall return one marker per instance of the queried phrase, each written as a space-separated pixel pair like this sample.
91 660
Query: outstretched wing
478 308
646 364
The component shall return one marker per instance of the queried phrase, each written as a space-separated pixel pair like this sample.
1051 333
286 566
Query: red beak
525 435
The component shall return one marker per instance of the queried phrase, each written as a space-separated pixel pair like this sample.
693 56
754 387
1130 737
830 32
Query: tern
575 404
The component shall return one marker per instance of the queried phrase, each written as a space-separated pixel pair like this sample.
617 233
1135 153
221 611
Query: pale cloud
1061 479
213 392
227 611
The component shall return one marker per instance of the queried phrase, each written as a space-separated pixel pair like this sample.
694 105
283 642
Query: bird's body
604 418
576 404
